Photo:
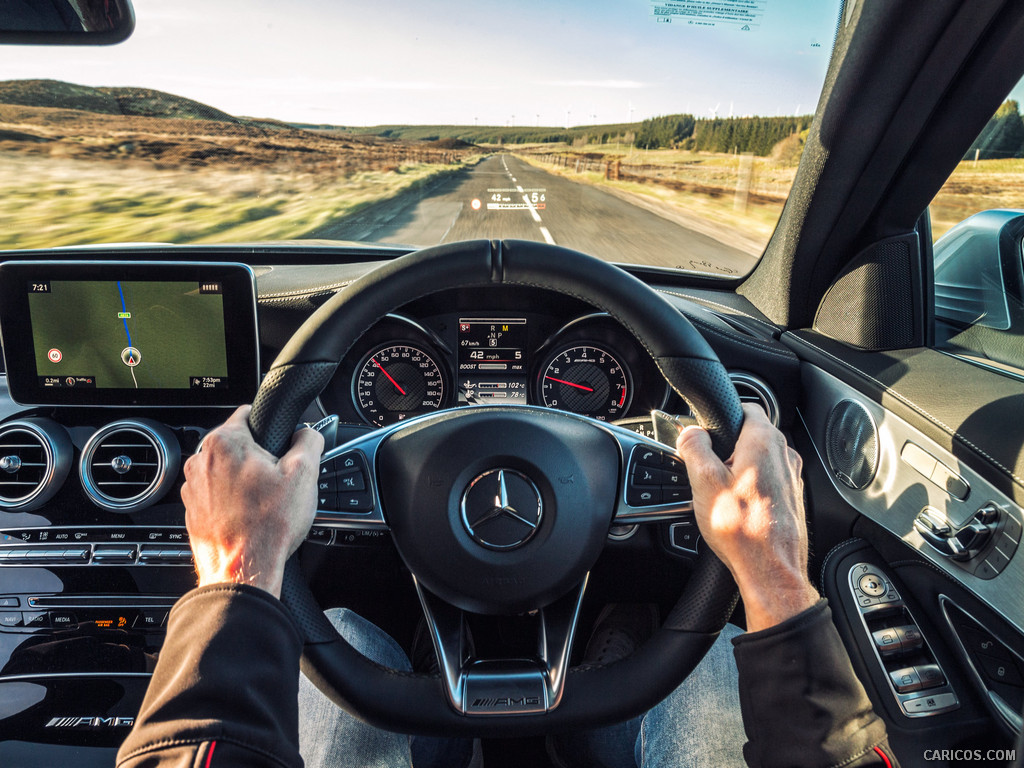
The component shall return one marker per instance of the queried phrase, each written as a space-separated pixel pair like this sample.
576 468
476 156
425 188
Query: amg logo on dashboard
91 722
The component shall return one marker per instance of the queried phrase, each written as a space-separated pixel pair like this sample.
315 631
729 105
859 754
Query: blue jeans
698 724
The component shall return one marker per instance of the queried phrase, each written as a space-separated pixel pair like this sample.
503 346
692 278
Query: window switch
887 641
906 680
931 675
910 637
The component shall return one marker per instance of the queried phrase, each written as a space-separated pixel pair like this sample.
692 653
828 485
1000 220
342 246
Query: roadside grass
975 187
47 202
697 188
712 179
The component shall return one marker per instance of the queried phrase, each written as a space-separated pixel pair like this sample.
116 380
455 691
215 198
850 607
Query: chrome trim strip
166 463
761 388
465 677
68 675
898 493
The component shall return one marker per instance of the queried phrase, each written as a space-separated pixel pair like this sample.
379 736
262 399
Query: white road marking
514 178
533 211
519 188
547 236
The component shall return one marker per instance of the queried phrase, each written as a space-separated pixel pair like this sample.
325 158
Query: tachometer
586 379
397 381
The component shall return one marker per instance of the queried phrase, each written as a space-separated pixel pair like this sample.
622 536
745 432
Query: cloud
616 84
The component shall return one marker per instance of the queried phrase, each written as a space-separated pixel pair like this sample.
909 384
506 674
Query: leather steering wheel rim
412 703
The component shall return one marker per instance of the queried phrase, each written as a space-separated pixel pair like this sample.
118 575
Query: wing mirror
979 289
65 22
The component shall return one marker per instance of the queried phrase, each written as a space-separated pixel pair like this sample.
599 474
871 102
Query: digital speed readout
492 360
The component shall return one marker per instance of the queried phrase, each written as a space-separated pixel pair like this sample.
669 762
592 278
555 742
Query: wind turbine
714 111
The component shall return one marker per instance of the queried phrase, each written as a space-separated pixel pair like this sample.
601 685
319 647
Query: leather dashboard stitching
761 346
308 291
702 300
949 430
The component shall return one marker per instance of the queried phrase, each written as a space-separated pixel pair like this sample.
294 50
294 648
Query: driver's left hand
247 511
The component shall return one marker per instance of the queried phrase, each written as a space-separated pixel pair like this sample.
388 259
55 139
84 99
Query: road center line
547 236
519 188
533 211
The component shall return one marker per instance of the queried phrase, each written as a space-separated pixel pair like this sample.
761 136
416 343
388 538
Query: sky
489 62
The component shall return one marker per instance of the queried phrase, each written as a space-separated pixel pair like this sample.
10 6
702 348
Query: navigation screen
128 334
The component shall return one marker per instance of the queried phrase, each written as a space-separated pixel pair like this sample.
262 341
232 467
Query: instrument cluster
407 366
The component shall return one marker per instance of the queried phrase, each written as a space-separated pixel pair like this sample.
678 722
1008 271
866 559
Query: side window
978 220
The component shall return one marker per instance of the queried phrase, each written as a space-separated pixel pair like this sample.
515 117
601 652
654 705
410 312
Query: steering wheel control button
319 535
351 481
502 509
643 497
647 476
355 502
685 537
648 457
872 585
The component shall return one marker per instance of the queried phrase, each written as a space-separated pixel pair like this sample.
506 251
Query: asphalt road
504 197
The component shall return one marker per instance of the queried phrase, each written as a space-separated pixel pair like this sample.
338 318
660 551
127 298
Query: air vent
129 464
851 444
35 458
753 390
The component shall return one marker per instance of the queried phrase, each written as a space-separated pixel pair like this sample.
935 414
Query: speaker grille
851 442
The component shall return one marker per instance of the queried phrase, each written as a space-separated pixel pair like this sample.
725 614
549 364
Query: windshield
658 132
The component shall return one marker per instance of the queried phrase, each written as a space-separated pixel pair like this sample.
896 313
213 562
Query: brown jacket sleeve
802 703
225 689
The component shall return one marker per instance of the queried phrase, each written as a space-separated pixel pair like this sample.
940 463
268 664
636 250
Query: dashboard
421 361
93 546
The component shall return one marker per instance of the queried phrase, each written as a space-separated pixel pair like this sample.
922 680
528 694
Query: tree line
1002 136
757 135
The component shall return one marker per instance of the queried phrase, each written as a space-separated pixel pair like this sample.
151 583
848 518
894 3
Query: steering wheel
503 509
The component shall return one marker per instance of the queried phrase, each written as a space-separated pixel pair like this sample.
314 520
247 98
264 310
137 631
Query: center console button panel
95 546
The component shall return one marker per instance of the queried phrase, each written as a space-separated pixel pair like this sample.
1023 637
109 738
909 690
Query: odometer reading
396 382
586 379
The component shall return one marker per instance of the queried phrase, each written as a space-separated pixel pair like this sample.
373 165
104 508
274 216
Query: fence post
746 175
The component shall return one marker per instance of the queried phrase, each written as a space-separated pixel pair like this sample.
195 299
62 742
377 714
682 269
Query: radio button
36 619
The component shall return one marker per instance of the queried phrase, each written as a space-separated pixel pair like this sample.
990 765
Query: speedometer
397 381
587 379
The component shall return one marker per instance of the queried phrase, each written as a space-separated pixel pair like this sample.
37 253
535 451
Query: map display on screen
128 334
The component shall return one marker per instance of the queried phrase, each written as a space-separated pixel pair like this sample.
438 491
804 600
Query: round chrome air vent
851 444
130 464
35 458
753 390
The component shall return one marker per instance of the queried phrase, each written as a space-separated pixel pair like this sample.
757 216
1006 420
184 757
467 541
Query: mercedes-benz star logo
501 509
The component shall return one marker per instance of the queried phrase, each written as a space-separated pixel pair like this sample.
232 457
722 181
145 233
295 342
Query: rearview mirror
65 22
